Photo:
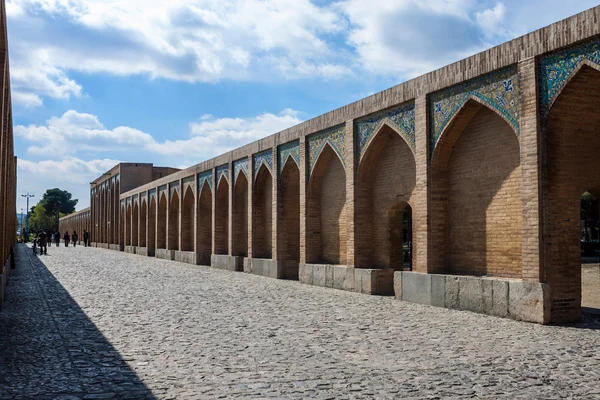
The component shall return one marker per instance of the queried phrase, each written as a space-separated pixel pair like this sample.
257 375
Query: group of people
44 240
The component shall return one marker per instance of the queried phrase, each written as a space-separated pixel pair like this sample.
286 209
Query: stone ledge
115 247
188 257
224 261
361 280
130 249
524 301
142 251
264 267
164 254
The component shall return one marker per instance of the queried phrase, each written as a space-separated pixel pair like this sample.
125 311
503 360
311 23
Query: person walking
43 243
66 238
86 238
50 239
57 238
75 237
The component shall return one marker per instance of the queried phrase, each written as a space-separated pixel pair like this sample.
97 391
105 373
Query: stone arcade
486 159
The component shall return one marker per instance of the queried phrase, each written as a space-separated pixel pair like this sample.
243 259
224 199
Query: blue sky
180 81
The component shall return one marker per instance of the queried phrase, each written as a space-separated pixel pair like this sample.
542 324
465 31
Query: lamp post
27 217
21 224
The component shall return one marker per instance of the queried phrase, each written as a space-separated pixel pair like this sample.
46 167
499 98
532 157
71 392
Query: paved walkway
92 323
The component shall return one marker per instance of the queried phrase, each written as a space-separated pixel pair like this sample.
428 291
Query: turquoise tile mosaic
558 68
402 118
223 170
205 176
498 90
334 137
152 194
173 187
291 149
239 166
162 190
265 157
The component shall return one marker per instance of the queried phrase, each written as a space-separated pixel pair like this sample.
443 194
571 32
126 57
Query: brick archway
289 219
262 214
204 225
143 222
240 216
122 216
187 220
476 198
152 226
161 225
327 211
572 163
173 221
135 226
222 217
386 178
128 225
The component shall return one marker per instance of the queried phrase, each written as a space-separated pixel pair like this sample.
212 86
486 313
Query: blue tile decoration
204 177
291 149
152 194
173 186
117 178
265 157
162 190
556 69
335 137
402 118
238 166
135 198
499 90
223 170
128 202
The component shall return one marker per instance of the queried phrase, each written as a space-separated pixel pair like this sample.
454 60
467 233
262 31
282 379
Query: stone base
130 249
187 257
165 254
361 280
524 301
101 245
224 261
115 247
263 267
142 251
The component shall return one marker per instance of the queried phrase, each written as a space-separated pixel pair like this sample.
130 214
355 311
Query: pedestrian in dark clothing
86 238
66 238
75 237
43 243
49 238
57 238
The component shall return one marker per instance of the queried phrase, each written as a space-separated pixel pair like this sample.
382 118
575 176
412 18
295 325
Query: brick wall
187 221
204 225
222 218
262 223
161 224
240 216
173 221
289 214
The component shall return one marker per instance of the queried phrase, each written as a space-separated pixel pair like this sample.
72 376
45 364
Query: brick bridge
482 162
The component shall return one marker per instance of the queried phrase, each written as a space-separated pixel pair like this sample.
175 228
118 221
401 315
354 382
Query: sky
176 82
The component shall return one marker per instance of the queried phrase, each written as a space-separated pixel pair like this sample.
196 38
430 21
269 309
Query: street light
27 217
21 224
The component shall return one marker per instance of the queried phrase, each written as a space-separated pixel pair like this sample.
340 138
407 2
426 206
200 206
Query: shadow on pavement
49 348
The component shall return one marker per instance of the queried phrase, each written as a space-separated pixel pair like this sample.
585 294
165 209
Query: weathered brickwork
485 160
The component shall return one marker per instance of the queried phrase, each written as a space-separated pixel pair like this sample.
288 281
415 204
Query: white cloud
492 21
26 100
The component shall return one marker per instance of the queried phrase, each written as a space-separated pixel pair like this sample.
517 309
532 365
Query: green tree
58 203
39 219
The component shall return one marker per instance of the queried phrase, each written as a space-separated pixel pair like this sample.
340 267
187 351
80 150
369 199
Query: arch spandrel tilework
335 137
499 90
135 199
204 177
401 117
265 157
173 187
163 190
240 165
128 202
223 170
144 197
152 194
291 149
557 69
187 182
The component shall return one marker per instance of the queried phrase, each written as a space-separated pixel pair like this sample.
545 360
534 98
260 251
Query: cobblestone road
97 324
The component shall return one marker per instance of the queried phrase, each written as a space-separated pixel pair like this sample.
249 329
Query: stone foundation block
142 251
100 245
398 284
130 249
264 267
343 277
529 301
229 263
305 273
115 247
374 281
188 257
416 287
164 254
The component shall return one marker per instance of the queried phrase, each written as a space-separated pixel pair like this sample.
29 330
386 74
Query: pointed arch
135 226
317 157
222 217
122 225
173 222
152 220
204 225
143 222
288 241
382 127
585 63
187 220
240 217
262 213
475 184
386 182
326 210
161 224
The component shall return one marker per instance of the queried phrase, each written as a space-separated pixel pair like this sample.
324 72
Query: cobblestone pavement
102 324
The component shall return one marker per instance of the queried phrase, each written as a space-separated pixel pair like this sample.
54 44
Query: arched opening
386 187
399 240
135 226
288 242
161 225
104 217
326 211
173 234
142 224
112 205
222 218
240 216
262 218
187 221
204 225
590 253
152 227
572 165
122 216
476 196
